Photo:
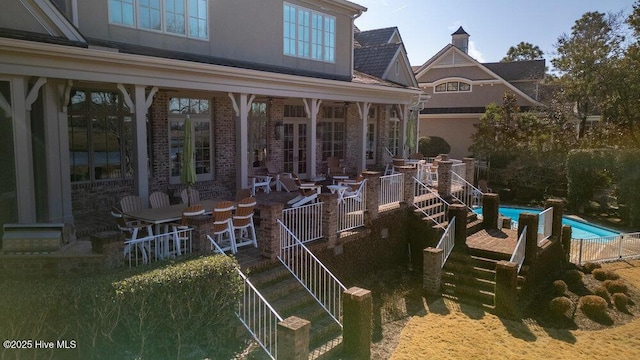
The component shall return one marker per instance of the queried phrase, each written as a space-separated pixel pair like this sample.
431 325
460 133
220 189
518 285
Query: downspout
353 38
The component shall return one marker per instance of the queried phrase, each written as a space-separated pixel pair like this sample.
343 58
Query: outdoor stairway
474 224
289 298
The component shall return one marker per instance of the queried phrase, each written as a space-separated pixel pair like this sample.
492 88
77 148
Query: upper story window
294 111
453 86
309 34
177 17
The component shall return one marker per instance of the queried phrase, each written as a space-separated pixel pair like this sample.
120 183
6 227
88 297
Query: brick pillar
357 312
459 212
444 179
566 242
293 338
373 195
531 250
409 173
506 291
490 207
432 270
558 209
202 226
268 233
329 218
470 169
111 245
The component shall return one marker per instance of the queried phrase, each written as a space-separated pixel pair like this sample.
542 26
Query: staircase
438 212
289 298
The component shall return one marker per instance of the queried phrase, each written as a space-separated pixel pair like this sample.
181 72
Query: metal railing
518 253
158 247
545 224
391 189
304 221
447 241
351 211
311 273
459 168
255 313
607 248
465 192
429 202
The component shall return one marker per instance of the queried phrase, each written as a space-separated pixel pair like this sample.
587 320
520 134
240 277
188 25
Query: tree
523 51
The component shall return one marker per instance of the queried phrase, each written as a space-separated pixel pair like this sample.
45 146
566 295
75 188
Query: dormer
460 39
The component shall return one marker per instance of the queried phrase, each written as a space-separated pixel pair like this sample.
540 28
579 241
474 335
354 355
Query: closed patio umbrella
412 129
188 168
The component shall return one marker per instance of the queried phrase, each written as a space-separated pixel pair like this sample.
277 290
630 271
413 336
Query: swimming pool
579 229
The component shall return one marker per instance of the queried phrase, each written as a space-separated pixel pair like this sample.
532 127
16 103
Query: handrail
435 202
519 252
545 224
447 241
469 195
391 189
311 273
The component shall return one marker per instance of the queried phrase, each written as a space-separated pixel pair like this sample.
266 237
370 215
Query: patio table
340 190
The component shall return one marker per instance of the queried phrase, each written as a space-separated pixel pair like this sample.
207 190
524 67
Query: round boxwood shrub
616 286
559 287
589 267
603 293
573 277
561 306
432 146
603 274
593 305
621 301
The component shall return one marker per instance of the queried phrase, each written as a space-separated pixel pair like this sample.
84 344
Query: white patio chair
159 199
222 228
190 196
259 182
356 192
135 237
181 235
130 203
244 232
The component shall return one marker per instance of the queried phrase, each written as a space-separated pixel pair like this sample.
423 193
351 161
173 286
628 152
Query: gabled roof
376 36
374 60
518 70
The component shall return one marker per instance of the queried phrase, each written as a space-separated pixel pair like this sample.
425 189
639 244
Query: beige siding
15 16
467 72
456 131
480 95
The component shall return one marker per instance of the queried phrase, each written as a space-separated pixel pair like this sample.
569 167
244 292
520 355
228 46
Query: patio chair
356 192
275 173
483 186
307 192
130 203
335 167
135 234
244 232
181 235
159 199
190 196
222 228
256 182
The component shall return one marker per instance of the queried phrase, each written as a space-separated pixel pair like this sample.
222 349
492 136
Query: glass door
295 148
371 143
8 192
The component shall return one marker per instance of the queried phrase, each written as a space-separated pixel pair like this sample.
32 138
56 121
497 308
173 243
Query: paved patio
502 241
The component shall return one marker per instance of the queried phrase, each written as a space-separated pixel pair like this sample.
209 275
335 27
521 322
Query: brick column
432 270
111 245
470 169
357 312
293 338
558 209
459 212
531 250
444 179
506 291
268 233
490 207
373 195
566 242
409 173
202 226
329 218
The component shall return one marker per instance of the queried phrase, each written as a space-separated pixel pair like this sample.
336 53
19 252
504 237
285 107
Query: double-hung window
202 137
308 34
176 17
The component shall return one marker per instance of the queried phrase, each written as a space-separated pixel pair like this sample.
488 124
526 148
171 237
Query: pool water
579 229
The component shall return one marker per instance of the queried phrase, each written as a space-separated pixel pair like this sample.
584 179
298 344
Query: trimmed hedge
432 146
170 310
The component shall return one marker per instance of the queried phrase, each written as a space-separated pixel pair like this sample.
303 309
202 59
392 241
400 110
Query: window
178 17
257 133
394 132
100 136
199 113
308 34
331 131
453 86
294 111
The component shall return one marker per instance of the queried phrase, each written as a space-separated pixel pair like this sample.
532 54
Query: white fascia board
57 61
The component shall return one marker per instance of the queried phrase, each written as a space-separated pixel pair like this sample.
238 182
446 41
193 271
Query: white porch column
312 109
23 152
241 105
363 111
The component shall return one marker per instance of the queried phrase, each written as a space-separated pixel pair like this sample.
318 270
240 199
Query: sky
493 25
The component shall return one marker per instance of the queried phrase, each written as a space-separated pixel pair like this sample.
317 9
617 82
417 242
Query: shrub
603 293
589 267
603 274
621 301
561 306
593 305
432 146
559 287
616 286
573 277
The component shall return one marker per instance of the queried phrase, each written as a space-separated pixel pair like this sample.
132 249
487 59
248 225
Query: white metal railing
545 224
351 211
447 241
304 221
429 202
607 248
465 192
311 273
158 247
255 313
460 169
391 189
518 253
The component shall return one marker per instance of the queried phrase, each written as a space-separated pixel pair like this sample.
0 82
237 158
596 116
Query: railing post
531 249
357 315
566 241
459 212
293 339
490 208
469 169
329 218
444 179
506 288
432 270
558 209
409 173
372 194
268 233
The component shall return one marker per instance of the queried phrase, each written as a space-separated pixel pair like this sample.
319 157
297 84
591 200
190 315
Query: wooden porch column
241 105
312 107
363 111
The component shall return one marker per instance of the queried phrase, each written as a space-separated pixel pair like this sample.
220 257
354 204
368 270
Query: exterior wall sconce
279 130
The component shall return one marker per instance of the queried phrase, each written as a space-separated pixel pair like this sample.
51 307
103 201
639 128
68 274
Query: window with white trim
331 131
453 86
257 133
175 17
394 132
308 34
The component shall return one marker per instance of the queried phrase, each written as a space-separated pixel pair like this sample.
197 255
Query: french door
295 148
